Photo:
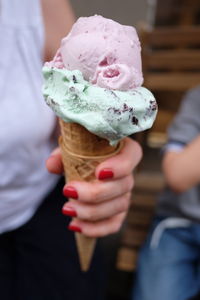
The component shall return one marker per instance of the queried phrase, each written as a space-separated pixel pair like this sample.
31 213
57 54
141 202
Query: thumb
123 163
54 162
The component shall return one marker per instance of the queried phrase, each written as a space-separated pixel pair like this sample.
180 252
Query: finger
98 191
98 229
97 212
121 164
54 162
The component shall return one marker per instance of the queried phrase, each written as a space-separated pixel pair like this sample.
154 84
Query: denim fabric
171 271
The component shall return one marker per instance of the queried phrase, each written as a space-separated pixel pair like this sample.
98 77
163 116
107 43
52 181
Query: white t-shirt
26 123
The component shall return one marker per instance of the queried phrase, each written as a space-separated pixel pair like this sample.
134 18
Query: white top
26 123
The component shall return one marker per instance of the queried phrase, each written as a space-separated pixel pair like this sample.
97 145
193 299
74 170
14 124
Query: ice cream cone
81 152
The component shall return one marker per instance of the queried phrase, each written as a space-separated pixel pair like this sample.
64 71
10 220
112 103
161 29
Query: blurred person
38 257
169 261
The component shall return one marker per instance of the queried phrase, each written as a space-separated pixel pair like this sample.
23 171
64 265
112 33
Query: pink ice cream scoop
106 52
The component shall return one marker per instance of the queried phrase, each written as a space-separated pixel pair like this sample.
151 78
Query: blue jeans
169 269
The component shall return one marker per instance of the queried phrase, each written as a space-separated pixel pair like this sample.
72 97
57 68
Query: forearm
182 169
58 19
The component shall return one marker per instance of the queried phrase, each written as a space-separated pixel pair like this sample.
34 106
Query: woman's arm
182 169
58 19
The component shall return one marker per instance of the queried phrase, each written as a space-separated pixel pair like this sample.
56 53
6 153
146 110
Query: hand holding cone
81 152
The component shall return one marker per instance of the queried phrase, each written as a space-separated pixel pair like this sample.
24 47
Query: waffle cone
81 152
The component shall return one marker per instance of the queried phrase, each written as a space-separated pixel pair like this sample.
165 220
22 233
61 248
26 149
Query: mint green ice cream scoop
110 114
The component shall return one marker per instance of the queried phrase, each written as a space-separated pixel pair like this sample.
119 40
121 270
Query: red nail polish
74 228
68 211
105 174
70 192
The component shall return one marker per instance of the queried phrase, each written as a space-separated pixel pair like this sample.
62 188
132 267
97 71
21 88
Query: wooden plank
149 181
177 12
144 200
141 218
164 99
163 119
188 13
171 36
156 139
175 59
135 237
171 81
143 214
126 259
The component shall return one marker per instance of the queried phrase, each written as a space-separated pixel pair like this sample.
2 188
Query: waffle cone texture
81 152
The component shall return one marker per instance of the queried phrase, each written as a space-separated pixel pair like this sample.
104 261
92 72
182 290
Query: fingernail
105 174
74 228
69 211
70 192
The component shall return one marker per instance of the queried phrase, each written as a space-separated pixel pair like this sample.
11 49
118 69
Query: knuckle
125 202
128 198
126 166
129 183
116 227
122 204
139 151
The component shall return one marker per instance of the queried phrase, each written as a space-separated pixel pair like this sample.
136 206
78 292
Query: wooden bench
171 66
171 58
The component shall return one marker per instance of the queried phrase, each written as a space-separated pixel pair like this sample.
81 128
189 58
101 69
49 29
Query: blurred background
127 12
169 32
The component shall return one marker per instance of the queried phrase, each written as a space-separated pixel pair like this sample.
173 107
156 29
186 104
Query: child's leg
168 271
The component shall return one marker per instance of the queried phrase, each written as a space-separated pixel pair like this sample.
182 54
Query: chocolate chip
115 110
154 107
74 79
134 120
53 102
125 107
113 93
